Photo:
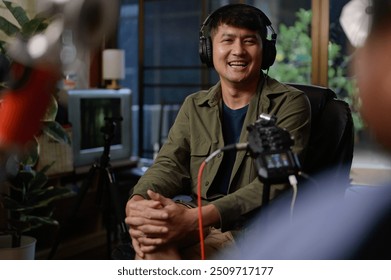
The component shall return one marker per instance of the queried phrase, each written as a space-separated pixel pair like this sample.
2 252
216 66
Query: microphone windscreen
22 108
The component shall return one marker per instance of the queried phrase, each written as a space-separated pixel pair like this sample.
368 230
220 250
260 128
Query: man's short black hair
242 16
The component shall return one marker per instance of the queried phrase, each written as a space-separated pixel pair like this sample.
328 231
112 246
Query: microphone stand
101 176
270 146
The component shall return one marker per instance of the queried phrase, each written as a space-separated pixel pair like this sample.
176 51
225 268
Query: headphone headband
211 15
269 49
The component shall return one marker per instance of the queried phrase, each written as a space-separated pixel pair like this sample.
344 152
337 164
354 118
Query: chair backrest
331 141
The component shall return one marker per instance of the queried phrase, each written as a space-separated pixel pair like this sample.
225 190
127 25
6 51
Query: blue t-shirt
232 123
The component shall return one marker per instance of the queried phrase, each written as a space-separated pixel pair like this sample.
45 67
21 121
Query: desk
86 230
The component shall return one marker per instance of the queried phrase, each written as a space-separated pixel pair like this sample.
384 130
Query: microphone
75 27
270 146
25 103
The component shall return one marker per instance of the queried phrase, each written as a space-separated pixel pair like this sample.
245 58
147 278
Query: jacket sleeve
236 208
295 116
169 174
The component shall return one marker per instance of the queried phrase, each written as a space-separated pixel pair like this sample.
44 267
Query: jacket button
219 155
207 183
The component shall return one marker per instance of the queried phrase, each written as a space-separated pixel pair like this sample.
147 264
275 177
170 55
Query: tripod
101 176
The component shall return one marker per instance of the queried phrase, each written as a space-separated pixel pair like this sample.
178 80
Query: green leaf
33 222
49 195
32 157
2 47
51 112
10 203
7 27
28 222
43 220
18 12
34 26
38 181
22 179
46 168
36 199
55 131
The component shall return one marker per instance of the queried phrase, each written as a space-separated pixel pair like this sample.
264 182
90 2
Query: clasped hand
158 222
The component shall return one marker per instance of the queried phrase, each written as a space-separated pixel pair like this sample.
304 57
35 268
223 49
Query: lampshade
113 64
355 21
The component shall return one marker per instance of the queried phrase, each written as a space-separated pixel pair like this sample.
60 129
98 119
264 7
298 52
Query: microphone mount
270 146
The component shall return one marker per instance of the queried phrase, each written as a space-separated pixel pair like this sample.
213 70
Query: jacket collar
271 87
212 97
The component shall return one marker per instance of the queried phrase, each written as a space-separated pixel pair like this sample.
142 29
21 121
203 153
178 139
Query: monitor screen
95 110
88 111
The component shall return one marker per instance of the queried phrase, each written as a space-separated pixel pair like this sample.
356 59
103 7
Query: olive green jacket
197 132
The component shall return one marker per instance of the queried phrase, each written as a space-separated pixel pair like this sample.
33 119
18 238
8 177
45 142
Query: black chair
331 141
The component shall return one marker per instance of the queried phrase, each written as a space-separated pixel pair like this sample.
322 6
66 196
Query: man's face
237 54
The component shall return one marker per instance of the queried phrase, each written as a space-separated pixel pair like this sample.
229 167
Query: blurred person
161 225
325 225
373 69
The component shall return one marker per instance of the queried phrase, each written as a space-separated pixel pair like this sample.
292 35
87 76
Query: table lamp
113 67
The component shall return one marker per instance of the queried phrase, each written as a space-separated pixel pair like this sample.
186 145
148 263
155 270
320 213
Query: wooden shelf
79 248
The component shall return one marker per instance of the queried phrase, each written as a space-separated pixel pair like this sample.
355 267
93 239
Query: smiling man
165 227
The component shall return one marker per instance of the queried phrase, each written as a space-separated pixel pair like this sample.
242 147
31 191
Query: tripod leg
119 213
104 198
119 217
83 190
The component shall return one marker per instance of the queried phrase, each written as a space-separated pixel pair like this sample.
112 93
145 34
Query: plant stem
16 239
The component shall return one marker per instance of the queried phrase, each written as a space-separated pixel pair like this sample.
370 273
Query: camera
270 146
110 125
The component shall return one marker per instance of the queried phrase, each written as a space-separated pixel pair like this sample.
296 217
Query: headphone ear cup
208 45
269 54
202 49
205 51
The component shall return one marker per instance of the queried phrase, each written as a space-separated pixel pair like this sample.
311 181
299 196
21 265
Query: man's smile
240 64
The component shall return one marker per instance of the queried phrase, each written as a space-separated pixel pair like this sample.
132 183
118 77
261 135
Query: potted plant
27 200
26 197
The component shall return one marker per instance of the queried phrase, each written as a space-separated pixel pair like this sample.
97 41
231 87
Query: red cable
200 223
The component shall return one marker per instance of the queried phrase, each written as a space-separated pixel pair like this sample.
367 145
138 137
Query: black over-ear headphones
269 45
